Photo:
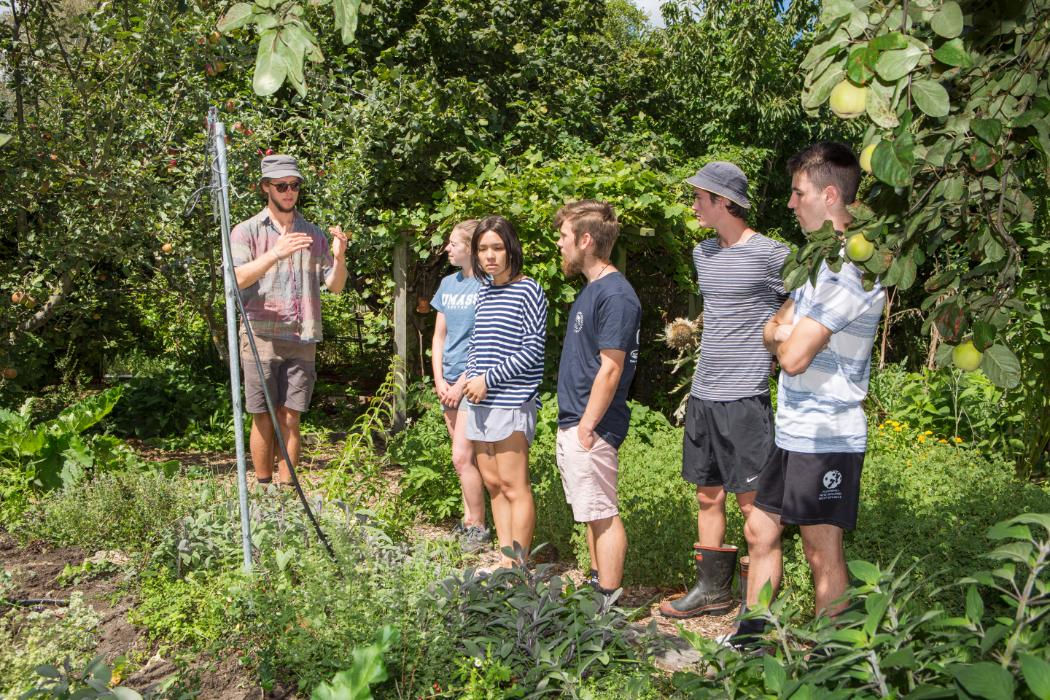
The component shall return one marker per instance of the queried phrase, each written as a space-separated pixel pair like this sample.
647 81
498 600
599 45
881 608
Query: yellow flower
922 438
943 441
898 429
957 439
928 432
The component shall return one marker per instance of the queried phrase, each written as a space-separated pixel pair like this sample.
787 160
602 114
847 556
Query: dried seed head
680 334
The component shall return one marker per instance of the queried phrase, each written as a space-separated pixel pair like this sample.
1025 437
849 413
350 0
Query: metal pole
221 185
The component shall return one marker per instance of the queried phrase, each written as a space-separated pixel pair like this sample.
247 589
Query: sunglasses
283 186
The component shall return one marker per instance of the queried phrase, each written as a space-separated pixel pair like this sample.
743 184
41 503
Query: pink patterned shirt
285 303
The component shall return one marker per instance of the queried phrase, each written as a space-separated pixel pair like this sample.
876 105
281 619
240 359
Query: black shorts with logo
727 443
812 489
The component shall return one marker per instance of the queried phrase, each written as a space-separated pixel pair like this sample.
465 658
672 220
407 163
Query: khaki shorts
588 476
289 369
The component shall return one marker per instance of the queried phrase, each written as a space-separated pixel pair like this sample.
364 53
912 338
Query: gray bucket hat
722 178
278 165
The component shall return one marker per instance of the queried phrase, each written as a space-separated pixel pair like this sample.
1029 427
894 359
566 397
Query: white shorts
492 424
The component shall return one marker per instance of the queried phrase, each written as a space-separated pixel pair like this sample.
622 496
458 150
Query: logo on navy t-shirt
577 325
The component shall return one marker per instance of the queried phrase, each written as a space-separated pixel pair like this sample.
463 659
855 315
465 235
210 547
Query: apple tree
955 100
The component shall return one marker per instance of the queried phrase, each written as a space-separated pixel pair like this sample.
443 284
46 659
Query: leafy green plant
356 476
66 683
429 484
367 670
890 643
31 639
122 510
53 452
550 634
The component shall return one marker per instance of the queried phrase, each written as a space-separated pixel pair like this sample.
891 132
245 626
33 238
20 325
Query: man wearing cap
281 261
729 420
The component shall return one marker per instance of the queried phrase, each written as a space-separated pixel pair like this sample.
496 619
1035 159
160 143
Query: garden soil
35 570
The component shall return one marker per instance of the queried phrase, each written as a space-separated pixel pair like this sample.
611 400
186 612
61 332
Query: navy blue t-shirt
605 316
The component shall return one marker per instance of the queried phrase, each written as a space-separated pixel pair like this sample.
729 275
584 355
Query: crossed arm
794 344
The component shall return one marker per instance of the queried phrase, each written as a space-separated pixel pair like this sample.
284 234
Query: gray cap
722 178
278 165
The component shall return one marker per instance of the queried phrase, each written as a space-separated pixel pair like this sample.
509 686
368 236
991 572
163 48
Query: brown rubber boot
713 592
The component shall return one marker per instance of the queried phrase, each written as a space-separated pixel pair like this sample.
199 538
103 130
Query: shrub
532 632
129 510
28 640
891 643
915 487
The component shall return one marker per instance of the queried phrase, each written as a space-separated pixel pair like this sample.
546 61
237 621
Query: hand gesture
289 243
586 437
476 389
339 241
783 332
441 389
453 394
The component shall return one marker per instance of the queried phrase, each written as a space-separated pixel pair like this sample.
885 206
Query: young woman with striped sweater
504 369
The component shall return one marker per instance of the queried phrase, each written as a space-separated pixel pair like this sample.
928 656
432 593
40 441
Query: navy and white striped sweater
510 327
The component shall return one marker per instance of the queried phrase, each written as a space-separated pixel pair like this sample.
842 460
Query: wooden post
401 333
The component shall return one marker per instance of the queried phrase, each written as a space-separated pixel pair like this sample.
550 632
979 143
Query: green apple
847 100
859 248
967 357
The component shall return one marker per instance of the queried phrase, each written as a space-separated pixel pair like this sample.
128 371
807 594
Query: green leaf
889 42
931 97
953 53
887 165
821 88
774 674
865 571
235 17
270 68
1000 365
988 130
983 335
346 13
985 680
859 64
1036 673
894 65
831 10
974 605
948 21
124 694
879 110
5 139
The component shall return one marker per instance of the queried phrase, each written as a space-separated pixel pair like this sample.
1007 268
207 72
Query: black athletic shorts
812 489
727 443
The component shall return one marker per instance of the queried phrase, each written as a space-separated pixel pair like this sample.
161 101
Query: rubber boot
744 564
713 592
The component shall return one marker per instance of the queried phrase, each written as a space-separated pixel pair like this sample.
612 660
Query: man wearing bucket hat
729 420
281 261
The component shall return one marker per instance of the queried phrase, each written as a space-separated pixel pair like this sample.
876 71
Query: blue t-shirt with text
456 297
605 316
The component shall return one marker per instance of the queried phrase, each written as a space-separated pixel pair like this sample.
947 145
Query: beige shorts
289 369
588 476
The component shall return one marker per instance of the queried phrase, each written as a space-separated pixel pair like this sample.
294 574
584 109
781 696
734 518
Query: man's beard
571 268
279 207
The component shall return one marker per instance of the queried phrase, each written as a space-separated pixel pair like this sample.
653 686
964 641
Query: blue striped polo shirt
510 328
819 410
741 289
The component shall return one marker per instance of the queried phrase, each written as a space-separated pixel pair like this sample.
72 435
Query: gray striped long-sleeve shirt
741 289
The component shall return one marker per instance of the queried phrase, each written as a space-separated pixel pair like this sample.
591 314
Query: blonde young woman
454 302
504 369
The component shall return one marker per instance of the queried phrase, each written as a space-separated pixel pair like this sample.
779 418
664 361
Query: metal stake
221 192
